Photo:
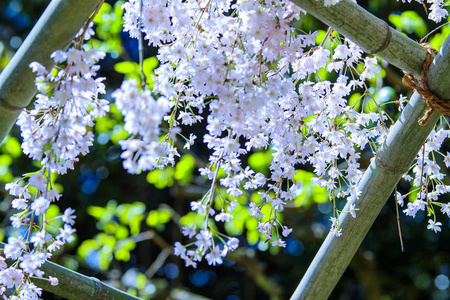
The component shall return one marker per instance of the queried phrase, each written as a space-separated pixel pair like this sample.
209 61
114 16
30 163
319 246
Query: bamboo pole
54 30
372 34
75 286
393 159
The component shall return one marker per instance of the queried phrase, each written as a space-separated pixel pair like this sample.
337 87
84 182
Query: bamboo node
5 105
387 39
433 102
386 169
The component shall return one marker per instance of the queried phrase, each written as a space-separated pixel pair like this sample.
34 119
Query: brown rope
433 101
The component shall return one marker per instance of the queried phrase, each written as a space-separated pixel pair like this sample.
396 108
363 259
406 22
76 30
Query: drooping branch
54 30
398 151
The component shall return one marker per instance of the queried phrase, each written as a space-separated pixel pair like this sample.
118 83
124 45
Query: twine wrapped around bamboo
421 86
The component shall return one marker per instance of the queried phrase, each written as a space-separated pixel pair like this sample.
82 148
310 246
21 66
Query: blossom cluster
143 116
427 181
55 132
252 70
437 10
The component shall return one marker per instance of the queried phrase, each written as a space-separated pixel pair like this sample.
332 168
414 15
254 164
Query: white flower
353 210
40 205
19 203
180 250
223 217
197 205
66 234
188 231
53 280
3 264
68 216
286 231
336 232
40 238
446 209
279 243
37 68
233 243
38 181
55 245
214 256
12 277
203 239
190 262
232 206
434 226
13 248
399 198
31 262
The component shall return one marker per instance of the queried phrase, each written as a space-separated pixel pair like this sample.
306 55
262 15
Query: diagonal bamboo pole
395 156
54 30
372 34
75 286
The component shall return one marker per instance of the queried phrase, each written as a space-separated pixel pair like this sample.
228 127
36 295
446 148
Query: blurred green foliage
409 22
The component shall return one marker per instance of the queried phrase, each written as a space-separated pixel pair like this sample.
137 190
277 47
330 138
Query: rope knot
433 102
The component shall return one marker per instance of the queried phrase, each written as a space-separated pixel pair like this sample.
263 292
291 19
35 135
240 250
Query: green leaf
5 160
126 67
236 225
184 169
11 146
409 22
141 281
118 134
355 101
164 215
122 233
319 194
310 192
96 211
260 161
123 249
153 218
396 21
412 22
86 248
104 9
385 94
149 64
161 178
253 236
